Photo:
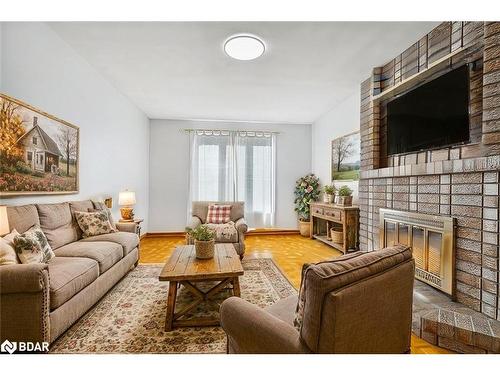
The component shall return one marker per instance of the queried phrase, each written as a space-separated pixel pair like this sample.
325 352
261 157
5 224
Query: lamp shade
126 198
4 221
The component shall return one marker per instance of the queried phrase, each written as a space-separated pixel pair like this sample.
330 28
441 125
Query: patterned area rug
131 317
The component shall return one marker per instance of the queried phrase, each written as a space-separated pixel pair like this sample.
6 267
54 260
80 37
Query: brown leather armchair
357 303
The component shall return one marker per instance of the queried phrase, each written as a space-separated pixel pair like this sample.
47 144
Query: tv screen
433 115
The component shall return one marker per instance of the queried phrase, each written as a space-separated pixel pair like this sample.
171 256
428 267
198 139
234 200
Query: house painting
41 152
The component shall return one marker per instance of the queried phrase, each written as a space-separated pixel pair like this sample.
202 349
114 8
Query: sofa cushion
224 232
68 276
22 218
57 223
79 206
7 252
128 241
105 253
326 277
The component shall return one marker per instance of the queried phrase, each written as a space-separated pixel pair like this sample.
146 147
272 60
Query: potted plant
204 241
344 196
329 195
306 191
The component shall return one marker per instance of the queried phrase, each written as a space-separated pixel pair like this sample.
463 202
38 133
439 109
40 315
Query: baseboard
251 232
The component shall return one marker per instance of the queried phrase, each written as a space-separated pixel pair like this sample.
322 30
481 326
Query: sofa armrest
127 227
193 222
241 225
24 301
23 278
252 330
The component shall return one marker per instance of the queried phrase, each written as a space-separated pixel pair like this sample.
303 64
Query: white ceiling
179 70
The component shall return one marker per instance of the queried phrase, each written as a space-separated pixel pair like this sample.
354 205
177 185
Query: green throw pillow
94 223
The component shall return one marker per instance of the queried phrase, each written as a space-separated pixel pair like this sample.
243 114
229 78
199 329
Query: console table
325 216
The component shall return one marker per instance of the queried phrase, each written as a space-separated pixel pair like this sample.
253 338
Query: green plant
344 191
201 233
329 189
306 190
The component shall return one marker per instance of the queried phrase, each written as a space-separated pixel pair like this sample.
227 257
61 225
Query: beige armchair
357 303
199 211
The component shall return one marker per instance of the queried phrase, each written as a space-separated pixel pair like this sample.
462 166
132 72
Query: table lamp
126 199
4 221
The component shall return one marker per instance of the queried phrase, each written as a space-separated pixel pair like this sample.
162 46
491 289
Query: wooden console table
324 216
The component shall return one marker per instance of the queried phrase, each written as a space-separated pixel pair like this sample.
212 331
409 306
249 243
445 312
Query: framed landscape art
345 157
39 153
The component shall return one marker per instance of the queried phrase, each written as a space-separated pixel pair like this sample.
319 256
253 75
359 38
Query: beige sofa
357 303
199 211
38 302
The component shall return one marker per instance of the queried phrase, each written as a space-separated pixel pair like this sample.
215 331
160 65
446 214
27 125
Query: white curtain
235 166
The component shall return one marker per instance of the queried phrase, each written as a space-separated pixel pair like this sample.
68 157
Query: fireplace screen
432 241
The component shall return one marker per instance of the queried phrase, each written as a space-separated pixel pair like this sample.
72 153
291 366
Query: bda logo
9 347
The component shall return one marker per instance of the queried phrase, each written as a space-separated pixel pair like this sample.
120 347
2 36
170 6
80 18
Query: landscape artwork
346 155
38 152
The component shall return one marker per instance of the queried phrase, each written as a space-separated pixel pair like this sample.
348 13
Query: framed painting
345 157
39 153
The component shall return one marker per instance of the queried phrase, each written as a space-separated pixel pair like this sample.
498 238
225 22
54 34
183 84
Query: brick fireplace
461 182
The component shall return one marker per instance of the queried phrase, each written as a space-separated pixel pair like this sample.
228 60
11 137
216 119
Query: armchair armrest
193 222
127 227
241 225
252 330
25 301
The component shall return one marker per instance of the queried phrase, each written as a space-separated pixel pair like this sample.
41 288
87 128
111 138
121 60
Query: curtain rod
229 131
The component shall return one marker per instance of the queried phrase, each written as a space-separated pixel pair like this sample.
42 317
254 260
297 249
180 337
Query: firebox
432 239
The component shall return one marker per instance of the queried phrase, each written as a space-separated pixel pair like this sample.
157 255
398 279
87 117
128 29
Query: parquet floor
288 251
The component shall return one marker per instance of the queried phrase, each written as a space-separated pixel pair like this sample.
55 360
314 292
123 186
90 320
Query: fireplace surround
459 182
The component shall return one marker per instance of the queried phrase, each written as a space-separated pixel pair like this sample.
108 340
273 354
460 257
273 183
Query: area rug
131 317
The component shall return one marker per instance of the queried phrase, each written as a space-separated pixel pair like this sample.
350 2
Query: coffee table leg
172 293
236 287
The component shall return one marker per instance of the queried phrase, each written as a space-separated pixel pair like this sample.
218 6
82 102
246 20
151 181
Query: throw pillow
103 207
225 232
219 213
93 223
7 253
299 310
32 247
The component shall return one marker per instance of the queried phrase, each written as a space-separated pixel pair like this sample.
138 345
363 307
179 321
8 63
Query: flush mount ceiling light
244 47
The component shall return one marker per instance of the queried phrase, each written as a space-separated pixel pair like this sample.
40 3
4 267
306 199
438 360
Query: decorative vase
337 235
305 228
345 201
328 198
204 249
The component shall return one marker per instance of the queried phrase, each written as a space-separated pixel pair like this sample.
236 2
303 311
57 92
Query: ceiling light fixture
244 47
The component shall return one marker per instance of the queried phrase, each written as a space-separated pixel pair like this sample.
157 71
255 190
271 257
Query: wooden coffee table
184 268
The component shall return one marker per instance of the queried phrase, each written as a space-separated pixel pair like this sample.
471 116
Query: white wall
41 69
340 120
169 166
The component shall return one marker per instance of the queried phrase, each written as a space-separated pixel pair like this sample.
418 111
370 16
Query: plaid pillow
219 214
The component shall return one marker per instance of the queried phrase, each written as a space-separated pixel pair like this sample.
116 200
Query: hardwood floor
289 253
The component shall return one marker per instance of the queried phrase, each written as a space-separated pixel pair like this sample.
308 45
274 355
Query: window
235 166
35 140
29 156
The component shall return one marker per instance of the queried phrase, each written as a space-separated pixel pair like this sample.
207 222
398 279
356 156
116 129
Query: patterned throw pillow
299 311
219 214
225 232
102 207
32 247
93 223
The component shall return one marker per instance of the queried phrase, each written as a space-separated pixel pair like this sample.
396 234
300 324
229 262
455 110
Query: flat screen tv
433 115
